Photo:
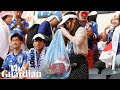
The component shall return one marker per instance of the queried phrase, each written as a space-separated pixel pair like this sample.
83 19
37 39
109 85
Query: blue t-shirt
13 63
18 29
109 35
45 29
94 27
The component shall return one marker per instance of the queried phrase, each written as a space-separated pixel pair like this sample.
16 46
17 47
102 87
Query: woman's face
70 24
115 22
8 20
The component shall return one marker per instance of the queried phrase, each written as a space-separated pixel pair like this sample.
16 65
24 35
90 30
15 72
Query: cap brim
65 18
38 35
63 21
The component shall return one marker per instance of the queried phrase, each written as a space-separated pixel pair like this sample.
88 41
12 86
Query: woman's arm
78 38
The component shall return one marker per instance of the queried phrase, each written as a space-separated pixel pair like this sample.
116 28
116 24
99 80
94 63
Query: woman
116 45
77 45
5 20
108 32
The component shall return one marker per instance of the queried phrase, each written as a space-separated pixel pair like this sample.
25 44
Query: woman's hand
64 31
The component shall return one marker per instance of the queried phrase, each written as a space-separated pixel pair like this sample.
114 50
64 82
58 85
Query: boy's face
18 14
54 22
38 44
16 42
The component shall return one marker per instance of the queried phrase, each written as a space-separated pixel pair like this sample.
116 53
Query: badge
20 58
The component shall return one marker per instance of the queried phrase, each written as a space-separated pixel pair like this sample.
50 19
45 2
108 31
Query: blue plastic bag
56 64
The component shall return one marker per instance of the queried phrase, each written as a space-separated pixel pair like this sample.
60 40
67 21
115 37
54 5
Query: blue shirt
94 27
13 63
45 29
18 29
109 35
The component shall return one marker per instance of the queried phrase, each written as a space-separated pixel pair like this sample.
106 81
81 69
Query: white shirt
4 39
80 41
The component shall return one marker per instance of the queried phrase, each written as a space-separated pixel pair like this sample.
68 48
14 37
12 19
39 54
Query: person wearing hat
108 32
77 45
37 53
15 61
48 27
111 34
5 20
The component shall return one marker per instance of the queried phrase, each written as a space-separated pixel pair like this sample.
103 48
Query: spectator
116 44
48 27
77 45
37 53
16 60
93 37
107 37
20 26
108 32
92 16
5 19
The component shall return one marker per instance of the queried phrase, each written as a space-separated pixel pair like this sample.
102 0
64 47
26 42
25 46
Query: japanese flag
106 53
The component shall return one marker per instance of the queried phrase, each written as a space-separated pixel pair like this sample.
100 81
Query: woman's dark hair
17 35
4 17
92 18
77 24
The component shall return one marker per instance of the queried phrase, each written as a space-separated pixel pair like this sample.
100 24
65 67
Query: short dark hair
17 35
3 18
39 39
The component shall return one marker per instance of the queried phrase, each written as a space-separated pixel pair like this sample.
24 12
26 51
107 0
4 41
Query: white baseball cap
39 35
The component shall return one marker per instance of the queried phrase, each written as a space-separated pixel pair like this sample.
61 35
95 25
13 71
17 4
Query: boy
16 60
37 53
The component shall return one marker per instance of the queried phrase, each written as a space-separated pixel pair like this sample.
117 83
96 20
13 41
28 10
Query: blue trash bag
56 64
